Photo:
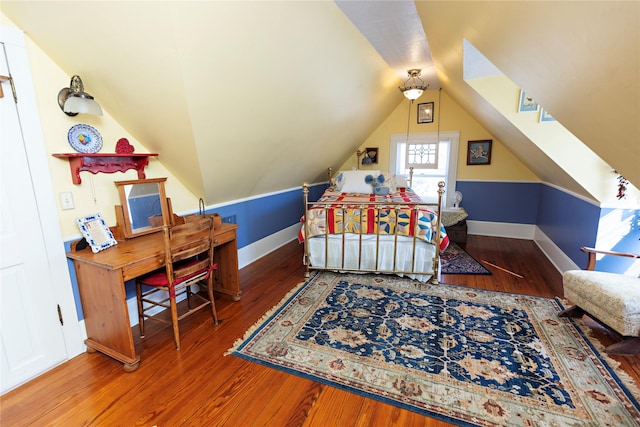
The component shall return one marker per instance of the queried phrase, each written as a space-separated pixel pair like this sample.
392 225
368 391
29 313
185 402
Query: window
433 161
422 155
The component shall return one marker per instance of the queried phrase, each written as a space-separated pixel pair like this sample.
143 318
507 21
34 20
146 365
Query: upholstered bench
611 299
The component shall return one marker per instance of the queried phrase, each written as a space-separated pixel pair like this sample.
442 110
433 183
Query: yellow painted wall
504 165
96 193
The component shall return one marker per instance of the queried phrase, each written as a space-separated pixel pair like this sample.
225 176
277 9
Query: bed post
411 177
329 175
305 197
436 260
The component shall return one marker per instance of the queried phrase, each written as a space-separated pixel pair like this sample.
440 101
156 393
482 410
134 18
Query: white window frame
450 138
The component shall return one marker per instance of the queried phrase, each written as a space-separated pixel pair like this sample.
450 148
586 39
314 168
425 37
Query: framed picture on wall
370 156
479 152
545 116
527 104
425 112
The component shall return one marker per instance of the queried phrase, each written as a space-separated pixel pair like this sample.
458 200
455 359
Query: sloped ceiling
238 98
244 98
580 60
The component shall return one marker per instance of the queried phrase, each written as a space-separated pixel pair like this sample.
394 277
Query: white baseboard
501 229
257 250
558 258
524 231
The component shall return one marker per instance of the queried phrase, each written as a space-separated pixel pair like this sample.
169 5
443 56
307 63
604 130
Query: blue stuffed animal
378 188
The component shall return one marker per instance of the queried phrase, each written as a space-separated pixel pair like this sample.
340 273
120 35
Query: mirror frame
124 216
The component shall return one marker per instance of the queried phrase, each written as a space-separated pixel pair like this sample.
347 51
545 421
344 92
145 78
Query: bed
372 222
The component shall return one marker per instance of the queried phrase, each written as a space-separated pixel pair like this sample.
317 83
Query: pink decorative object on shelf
123 146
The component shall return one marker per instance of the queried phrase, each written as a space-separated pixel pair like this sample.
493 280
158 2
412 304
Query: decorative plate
84 139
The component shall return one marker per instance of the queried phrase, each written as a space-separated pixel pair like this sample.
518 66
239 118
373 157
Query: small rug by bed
455 260
466 356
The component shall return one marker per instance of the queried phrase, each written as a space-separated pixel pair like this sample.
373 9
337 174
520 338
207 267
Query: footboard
376 250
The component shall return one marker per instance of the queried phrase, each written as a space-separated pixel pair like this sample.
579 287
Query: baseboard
558 258
528 232
501 229
262 247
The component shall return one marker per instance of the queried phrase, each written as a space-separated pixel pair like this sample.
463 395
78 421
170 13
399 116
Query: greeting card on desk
96 232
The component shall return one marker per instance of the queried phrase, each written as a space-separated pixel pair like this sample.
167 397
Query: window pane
427 187
425 181
422 156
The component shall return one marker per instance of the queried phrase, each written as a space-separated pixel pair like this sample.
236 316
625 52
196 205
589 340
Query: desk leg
106 316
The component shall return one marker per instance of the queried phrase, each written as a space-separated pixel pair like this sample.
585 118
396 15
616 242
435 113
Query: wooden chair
188 261
609 298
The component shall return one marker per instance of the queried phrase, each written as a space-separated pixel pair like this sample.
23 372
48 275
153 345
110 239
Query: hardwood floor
200 386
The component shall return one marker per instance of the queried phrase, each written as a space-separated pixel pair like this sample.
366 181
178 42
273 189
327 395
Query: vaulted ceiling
243 98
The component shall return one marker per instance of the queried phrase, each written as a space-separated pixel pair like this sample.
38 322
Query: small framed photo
425 112
527 104
370 156
545 116
479 152
96 232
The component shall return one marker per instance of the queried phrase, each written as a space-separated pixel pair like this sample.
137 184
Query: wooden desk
102 276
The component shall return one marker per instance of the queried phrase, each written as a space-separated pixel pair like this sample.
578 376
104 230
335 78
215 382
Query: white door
32 337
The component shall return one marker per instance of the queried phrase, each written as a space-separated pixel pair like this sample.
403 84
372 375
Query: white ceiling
394 29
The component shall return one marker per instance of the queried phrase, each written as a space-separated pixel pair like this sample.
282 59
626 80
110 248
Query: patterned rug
466 356
454 260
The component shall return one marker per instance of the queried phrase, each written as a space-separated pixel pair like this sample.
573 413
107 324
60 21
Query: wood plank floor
200 386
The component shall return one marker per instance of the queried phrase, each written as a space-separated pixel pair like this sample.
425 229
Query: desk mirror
144 206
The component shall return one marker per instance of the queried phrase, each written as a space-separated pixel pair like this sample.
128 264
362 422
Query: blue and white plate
84 139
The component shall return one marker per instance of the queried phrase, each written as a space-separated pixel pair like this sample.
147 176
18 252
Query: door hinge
13 88
60 316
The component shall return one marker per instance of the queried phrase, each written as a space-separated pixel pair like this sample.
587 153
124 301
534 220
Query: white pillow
399 182
354 181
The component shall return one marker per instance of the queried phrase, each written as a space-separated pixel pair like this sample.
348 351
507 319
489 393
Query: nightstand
454 221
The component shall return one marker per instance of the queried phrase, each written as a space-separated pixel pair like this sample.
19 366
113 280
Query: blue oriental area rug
466 356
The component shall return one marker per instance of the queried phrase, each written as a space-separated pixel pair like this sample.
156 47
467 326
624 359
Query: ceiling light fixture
73 99
414 86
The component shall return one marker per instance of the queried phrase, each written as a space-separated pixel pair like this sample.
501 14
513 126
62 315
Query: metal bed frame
377 207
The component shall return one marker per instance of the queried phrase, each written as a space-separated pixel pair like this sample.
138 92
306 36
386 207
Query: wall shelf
105 163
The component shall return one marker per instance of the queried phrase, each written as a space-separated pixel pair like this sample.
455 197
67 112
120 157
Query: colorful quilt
399 213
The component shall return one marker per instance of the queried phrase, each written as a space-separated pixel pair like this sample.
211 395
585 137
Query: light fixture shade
74 100
414 86
412 93
82 105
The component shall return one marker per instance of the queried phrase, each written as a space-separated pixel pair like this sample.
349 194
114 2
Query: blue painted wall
261 217
568 221
510 202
